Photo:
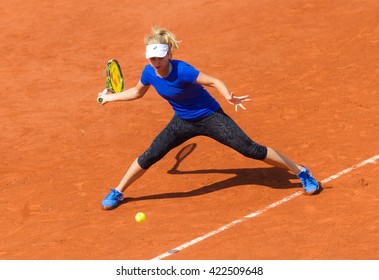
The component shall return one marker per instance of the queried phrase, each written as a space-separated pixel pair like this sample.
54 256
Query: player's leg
134 172
174 134
277 159
223 129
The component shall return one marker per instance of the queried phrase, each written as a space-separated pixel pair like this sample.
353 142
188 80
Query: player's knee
256 151
146 160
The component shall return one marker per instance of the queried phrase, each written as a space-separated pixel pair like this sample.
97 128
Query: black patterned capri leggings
218 126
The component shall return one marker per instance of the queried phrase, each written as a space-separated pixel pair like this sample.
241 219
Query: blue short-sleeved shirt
189 100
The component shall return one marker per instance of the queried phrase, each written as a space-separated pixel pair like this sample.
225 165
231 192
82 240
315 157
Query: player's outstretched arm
207 80
133 93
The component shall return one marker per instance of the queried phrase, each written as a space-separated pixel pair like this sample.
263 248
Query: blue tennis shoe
310 185
112 200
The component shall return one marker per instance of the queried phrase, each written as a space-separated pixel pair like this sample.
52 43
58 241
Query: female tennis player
196 113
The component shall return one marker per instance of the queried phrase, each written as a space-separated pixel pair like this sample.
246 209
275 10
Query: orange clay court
311 69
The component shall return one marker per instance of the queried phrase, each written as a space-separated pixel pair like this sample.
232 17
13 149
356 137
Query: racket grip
99 99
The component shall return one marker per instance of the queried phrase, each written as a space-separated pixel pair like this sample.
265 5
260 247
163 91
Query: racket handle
99 99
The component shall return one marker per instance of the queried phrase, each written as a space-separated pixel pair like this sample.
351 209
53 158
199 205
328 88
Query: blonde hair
163 36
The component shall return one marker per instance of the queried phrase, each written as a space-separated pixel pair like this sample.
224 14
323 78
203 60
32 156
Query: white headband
156 50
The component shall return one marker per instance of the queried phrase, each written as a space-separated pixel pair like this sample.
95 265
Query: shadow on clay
271 177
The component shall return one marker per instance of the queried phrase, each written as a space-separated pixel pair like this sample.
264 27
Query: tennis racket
114 78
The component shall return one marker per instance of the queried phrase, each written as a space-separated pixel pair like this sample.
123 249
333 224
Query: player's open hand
237 100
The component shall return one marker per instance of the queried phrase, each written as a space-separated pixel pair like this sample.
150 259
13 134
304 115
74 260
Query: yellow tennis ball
140 217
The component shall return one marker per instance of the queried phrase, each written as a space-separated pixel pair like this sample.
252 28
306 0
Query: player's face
161 65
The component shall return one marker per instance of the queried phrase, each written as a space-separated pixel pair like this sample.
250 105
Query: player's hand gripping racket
114 79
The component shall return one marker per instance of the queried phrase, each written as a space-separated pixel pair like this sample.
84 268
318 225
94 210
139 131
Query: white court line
256 213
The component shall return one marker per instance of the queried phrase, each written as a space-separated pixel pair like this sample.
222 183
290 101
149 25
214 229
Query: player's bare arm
133 93
207 80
